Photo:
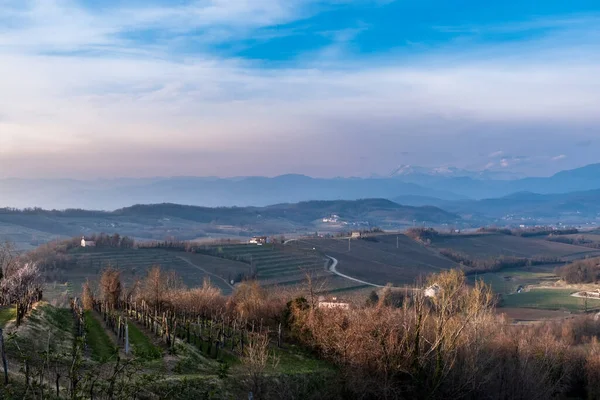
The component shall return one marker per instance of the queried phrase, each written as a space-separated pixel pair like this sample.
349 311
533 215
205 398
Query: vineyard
287 266
381 259
272 265
115 344
496 245
134 264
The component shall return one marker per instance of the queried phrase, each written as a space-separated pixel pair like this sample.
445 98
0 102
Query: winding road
333 269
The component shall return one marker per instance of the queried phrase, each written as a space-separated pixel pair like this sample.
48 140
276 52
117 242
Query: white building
87 243
333 219
432 291
334 304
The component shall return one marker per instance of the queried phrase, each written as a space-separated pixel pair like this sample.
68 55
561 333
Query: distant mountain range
570 208
210 192
449 188
411 172
581 179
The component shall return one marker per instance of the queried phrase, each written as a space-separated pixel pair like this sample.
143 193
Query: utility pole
350 238
397 242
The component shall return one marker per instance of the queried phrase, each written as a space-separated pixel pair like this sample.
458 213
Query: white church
87 243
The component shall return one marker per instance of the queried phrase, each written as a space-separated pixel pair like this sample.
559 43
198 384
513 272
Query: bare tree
110 287
256 360
155 288
87 297
8 258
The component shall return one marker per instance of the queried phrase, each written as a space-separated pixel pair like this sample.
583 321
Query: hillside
570 208
33 226
382 259
489 245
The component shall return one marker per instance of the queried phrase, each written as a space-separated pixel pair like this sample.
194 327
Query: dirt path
591 296
333 269
206 272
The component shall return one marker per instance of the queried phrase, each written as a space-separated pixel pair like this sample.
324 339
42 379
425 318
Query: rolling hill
159 221
490 245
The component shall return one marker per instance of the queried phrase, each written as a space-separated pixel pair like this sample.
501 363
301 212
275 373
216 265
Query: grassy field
7 314
494 245
295 361
101 345
383 259
550 299
142 346
509 280
44 327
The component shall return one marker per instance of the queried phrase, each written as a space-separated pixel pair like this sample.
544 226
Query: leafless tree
256 360
111 287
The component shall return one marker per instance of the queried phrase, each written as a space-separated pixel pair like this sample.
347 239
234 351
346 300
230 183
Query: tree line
476 265
453 345
581 271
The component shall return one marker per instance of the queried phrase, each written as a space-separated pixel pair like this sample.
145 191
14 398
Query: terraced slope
275 264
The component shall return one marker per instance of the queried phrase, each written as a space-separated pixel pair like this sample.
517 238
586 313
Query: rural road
205 271
333 270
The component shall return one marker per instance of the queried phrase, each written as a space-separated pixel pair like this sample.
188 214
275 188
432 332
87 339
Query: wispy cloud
79 81
559 157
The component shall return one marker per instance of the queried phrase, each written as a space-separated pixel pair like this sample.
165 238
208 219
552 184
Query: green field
550 299
142 346
296 361
509 280
7 314
101 346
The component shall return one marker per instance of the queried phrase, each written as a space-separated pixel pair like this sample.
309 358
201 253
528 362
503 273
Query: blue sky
325 88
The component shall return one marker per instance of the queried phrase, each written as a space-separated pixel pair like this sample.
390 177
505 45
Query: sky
138 88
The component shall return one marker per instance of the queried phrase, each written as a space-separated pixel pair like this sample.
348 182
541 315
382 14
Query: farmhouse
432 290
355 235
87 243
258 240
332 303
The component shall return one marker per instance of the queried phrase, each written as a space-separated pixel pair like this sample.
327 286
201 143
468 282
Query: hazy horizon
234 177
319 88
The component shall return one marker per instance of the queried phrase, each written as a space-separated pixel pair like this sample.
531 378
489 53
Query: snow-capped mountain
408 171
